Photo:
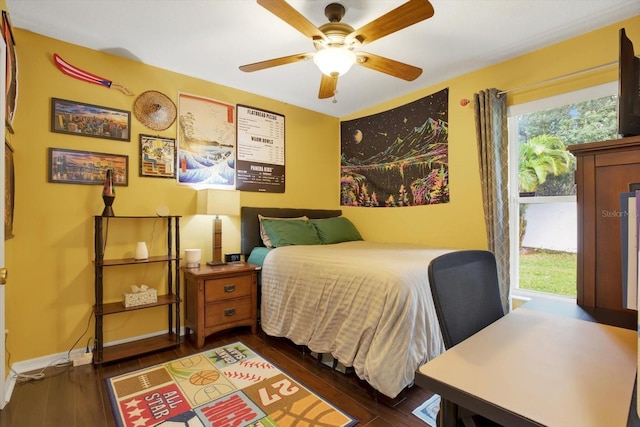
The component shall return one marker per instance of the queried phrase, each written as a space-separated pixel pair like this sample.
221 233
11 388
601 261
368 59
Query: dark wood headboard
250 225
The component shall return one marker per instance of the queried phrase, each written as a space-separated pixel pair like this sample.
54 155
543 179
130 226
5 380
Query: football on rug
226 386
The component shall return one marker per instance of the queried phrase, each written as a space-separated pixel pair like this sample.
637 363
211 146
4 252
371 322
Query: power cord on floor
58 363
80 337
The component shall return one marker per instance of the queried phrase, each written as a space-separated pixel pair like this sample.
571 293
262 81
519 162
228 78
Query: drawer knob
229 288
229 312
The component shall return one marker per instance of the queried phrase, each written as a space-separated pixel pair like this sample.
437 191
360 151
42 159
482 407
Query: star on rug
230 385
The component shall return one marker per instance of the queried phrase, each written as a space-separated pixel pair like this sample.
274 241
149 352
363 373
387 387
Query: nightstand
219 298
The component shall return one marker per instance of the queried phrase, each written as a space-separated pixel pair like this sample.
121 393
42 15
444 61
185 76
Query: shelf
131 261
118 307
134 348
137 216
170 301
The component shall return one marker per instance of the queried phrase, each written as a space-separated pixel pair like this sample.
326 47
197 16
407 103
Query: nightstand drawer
227 311
219 298
227 288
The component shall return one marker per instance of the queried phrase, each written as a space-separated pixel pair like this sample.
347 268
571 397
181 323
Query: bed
368 304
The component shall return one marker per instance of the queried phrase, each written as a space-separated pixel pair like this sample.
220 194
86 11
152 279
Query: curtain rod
465 101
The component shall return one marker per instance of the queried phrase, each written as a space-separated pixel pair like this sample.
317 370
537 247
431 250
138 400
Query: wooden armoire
604 170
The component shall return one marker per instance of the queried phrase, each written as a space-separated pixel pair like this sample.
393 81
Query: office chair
466 294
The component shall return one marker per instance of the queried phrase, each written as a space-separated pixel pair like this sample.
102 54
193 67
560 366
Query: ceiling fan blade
276 62
288 14
328 85
401 17
388 66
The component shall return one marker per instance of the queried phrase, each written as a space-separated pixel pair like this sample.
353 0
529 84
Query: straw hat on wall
154 110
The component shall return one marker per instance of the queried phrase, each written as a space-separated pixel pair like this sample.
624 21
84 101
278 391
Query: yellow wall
50 295
459 224
50 292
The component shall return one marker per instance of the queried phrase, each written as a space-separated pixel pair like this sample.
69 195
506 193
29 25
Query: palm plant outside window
543 207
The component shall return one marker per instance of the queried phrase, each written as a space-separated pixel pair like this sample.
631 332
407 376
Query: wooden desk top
536 368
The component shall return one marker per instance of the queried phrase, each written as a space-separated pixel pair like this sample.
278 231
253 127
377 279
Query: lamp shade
218 202
334 60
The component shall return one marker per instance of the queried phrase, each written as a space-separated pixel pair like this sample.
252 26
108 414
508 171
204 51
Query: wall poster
11 84
206 142
260 150
397 157
9 190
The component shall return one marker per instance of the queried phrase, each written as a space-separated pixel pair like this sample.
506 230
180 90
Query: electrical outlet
80 359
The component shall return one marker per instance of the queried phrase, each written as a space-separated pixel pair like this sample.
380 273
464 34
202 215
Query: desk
535 368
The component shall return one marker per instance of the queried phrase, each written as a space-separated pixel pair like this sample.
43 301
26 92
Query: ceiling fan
336 42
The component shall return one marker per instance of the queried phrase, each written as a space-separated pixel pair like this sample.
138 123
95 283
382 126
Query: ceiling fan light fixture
332 60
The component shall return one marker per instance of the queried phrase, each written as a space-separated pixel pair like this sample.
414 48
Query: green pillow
336 230
263 235
292 232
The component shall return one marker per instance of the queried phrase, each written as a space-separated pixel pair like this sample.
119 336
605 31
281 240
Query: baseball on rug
230 385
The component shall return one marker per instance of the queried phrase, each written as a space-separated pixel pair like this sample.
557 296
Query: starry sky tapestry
397 157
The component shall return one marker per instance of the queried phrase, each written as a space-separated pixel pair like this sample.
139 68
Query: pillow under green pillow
292 232
263 235
336 230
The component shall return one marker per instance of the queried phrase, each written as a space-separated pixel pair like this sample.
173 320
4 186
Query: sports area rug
227 386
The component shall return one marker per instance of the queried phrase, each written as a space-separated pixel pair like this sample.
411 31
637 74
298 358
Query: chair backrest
466 294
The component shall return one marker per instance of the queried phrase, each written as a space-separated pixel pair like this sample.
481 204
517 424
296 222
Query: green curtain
493 142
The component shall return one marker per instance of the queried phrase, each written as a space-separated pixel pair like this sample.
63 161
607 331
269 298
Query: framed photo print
11 83
77 118
9 190
157 156
86 167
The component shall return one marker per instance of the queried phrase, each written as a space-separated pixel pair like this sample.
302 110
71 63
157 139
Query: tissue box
132 299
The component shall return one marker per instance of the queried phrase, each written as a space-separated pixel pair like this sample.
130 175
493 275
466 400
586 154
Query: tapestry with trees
398 157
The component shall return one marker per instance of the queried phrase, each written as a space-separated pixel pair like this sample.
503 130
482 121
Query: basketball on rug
226 386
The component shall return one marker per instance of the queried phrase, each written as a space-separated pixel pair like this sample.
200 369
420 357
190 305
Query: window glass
543 216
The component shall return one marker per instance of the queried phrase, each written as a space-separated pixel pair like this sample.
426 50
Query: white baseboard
50 360
9 385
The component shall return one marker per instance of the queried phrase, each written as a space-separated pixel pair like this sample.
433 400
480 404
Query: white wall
551 226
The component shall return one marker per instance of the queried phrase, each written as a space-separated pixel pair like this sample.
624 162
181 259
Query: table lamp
218 202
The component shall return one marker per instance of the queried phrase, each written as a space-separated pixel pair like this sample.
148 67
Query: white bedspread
366 303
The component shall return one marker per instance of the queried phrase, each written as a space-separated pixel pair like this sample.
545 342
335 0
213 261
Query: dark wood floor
76 397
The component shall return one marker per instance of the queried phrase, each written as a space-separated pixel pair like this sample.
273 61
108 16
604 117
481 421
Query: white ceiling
210 39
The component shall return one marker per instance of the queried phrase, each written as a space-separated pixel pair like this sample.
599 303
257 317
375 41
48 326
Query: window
543 228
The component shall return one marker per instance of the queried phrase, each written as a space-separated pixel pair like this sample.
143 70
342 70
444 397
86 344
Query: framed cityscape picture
86 167
78 118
